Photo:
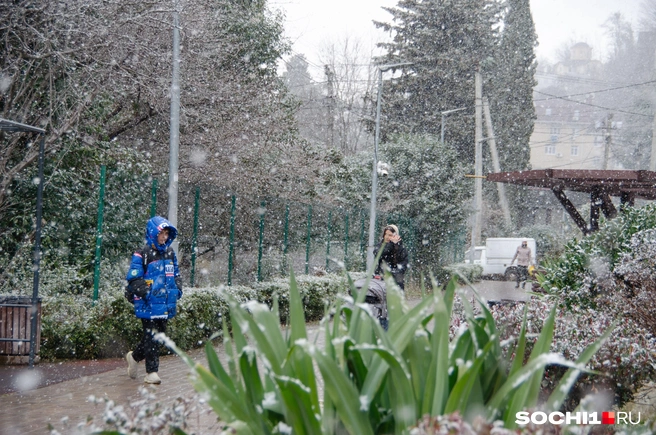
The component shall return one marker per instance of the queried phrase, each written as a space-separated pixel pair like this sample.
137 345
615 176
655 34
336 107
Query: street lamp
374 172
446 112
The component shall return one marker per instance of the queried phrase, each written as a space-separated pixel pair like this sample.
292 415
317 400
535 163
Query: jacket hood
153 228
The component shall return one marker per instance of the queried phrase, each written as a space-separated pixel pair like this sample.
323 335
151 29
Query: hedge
73 327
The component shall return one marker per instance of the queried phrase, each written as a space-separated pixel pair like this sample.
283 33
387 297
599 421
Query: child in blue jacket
154 287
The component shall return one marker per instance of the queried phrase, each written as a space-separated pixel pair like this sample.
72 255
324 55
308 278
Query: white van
496 255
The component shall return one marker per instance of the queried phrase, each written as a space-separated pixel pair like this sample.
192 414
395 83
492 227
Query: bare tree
350 79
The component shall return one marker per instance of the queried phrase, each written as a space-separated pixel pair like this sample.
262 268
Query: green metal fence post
233 209
330 221
153 198
284 243
101 205
261 241
194 238
346 240
309 239
362 243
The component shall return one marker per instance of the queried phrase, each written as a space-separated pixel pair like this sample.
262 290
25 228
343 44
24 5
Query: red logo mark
607 418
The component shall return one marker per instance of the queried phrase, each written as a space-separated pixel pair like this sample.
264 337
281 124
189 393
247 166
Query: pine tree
446 41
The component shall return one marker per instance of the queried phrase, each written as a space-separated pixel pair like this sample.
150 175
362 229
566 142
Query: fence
225 238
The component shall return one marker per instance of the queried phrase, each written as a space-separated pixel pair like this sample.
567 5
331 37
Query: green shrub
374 381
73 327
466 273
623 364
577 274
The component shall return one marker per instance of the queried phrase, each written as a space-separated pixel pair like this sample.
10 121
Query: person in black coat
394 256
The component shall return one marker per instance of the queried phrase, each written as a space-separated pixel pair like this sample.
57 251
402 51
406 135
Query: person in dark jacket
154 287
394 256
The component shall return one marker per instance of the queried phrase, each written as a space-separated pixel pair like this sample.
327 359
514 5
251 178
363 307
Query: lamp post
374 172
174 139
446 112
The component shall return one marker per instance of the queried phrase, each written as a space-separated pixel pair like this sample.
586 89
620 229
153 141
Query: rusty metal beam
571 209
607 206
641 183
595 207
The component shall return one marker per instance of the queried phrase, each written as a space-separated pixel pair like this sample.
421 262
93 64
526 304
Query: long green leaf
543 345
296 312
527 394
394 302
216 368
301 363
522 376
449 292
232 363
518 362
300 413
228 406
404 405
440 356
237 333
348 403
303 370
418 359
399 335
460 395
251 376
329 420
266 333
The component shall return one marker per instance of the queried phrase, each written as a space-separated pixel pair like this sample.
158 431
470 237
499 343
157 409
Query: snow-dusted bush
75 327
594 264
611 275
465 272
627 359
145 415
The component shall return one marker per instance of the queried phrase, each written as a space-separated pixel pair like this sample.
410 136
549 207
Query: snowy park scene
300 217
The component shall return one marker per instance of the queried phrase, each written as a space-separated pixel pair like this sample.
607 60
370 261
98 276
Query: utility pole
501 190
174 144
652 159
330 76
478 165
608 139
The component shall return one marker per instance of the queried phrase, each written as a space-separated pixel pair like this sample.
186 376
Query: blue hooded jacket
158 266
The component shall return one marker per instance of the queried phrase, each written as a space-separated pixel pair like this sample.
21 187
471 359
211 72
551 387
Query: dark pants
399 278
148 348
522 274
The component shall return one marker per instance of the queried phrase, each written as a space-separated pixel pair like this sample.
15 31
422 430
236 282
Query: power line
601 90
592 105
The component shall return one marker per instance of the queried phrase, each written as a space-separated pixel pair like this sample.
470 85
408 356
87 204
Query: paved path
65 405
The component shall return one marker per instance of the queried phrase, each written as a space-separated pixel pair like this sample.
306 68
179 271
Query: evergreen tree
446 41
510 84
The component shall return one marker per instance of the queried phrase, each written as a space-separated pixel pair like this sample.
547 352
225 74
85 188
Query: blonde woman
394 256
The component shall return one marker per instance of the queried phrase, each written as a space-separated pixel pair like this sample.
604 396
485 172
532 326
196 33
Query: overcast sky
311 23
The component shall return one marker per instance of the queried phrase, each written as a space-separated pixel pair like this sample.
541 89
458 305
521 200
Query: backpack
130 288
